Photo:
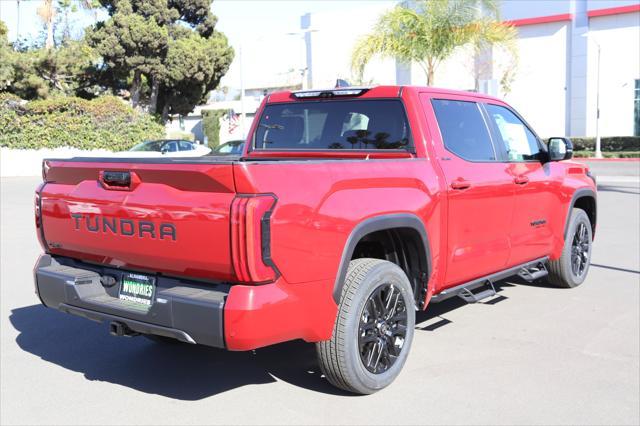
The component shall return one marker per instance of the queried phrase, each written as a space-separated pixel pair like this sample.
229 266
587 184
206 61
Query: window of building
464 130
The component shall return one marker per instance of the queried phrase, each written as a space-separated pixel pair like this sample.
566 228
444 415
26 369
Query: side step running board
470 297
534 270
532 273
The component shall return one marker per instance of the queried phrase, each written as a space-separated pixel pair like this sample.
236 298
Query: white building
555 86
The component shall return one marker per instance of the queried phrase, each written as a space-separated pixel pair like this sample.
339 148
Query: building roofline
540 20
614 10
619 10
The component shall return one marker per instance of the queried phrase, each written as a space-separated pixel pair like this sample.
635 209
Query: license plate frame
137 288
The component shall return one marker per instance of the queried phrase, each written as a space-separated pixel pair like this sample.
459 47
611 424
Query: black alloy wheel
571 268
383 329
580 248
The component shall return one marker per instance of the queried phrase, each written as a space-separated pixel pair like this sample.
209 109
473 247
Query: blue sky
254 24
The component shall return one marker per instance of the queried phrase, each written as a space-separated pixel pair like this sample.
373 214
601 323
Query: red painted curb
633 160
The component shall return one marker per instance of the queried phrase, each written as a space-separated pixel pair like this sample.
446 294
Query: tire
361 328
563 271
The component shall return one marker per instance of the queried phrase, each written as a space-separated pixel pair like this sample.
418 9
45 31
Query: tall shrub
102 123
211 126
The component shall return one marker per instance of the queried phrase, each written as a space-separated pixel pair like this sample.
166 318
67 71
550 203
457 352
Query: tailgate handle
118 180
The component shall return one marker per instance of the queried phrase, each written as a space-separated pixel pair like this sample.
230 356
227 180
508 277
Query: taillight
251 238
37 208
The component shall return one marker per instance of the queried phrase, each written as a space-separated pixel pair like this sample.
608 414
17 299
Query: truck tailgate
171 218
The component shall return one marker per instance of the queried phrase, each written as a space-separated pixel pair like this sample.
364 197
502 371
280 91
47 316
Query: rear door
480 189
531 227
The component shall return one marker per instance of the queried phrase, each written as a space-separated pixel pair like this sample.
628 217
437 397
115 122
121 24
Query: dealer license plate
137 288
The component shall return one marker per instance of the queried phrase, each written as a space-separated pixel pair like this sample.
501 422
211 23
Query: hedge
616 154
607 144
102 123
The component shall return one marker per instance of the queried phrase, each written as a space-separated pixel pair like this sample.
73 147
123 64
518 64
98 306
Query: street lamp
305 65
598 153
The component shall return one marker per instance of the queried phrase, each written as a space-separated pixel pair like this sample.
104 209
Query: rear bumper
238 317
182 310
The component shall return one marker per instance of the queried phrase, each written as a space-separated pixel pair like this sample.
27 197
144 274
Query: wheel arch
584 199
402 231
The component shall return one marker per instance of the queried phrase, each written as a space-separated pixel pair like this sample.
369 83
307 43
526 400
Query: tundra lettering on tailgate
125 227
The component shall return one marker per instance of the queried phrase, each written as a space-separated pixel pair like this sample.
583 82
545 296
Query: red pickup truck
348 210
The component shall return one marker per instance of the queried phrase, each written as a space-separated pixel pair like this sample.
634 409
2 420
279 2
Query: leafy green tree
192 70
66 70
428 32
168 49
6 58
131 42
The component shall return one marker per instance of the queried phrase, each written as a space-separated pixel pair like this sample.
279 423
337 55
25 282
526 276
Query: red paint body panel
195 198
256 316
320 198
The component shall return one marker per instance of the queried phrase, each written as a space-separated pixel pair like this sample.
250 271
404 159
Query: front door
535 199
479 187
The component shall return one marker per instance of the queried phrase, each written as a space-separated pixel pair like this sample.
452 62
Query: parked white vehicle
166 148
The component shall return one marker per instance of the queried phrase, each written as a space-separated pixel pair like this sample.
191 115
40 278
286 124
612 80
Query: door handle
460 184
521 180
118 180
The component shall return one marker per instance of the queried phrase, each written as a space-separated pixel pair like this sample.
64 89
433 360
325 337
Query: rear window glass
320 125
464 130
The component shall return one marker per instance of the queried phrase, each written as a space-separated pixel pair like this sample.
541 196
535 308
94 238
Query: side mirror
560 149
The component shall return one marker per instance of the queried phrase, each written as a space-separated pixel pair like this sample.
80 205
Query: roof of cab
373 92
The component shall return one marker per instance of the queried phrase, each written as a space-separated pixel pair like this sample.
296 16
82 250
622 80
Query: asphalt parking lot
532 355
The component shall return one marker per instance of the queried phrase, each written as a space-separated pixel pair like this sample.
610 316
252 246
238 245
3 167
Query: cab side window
170 147
519 142
186 146
464 130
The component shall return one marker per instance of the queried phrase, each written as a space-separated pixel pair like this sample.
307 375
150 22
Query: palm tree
428 31
47 12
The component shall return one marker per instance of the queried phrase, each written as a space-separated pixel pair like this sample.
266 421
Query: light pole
598 152
598 147
304 69
242 112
